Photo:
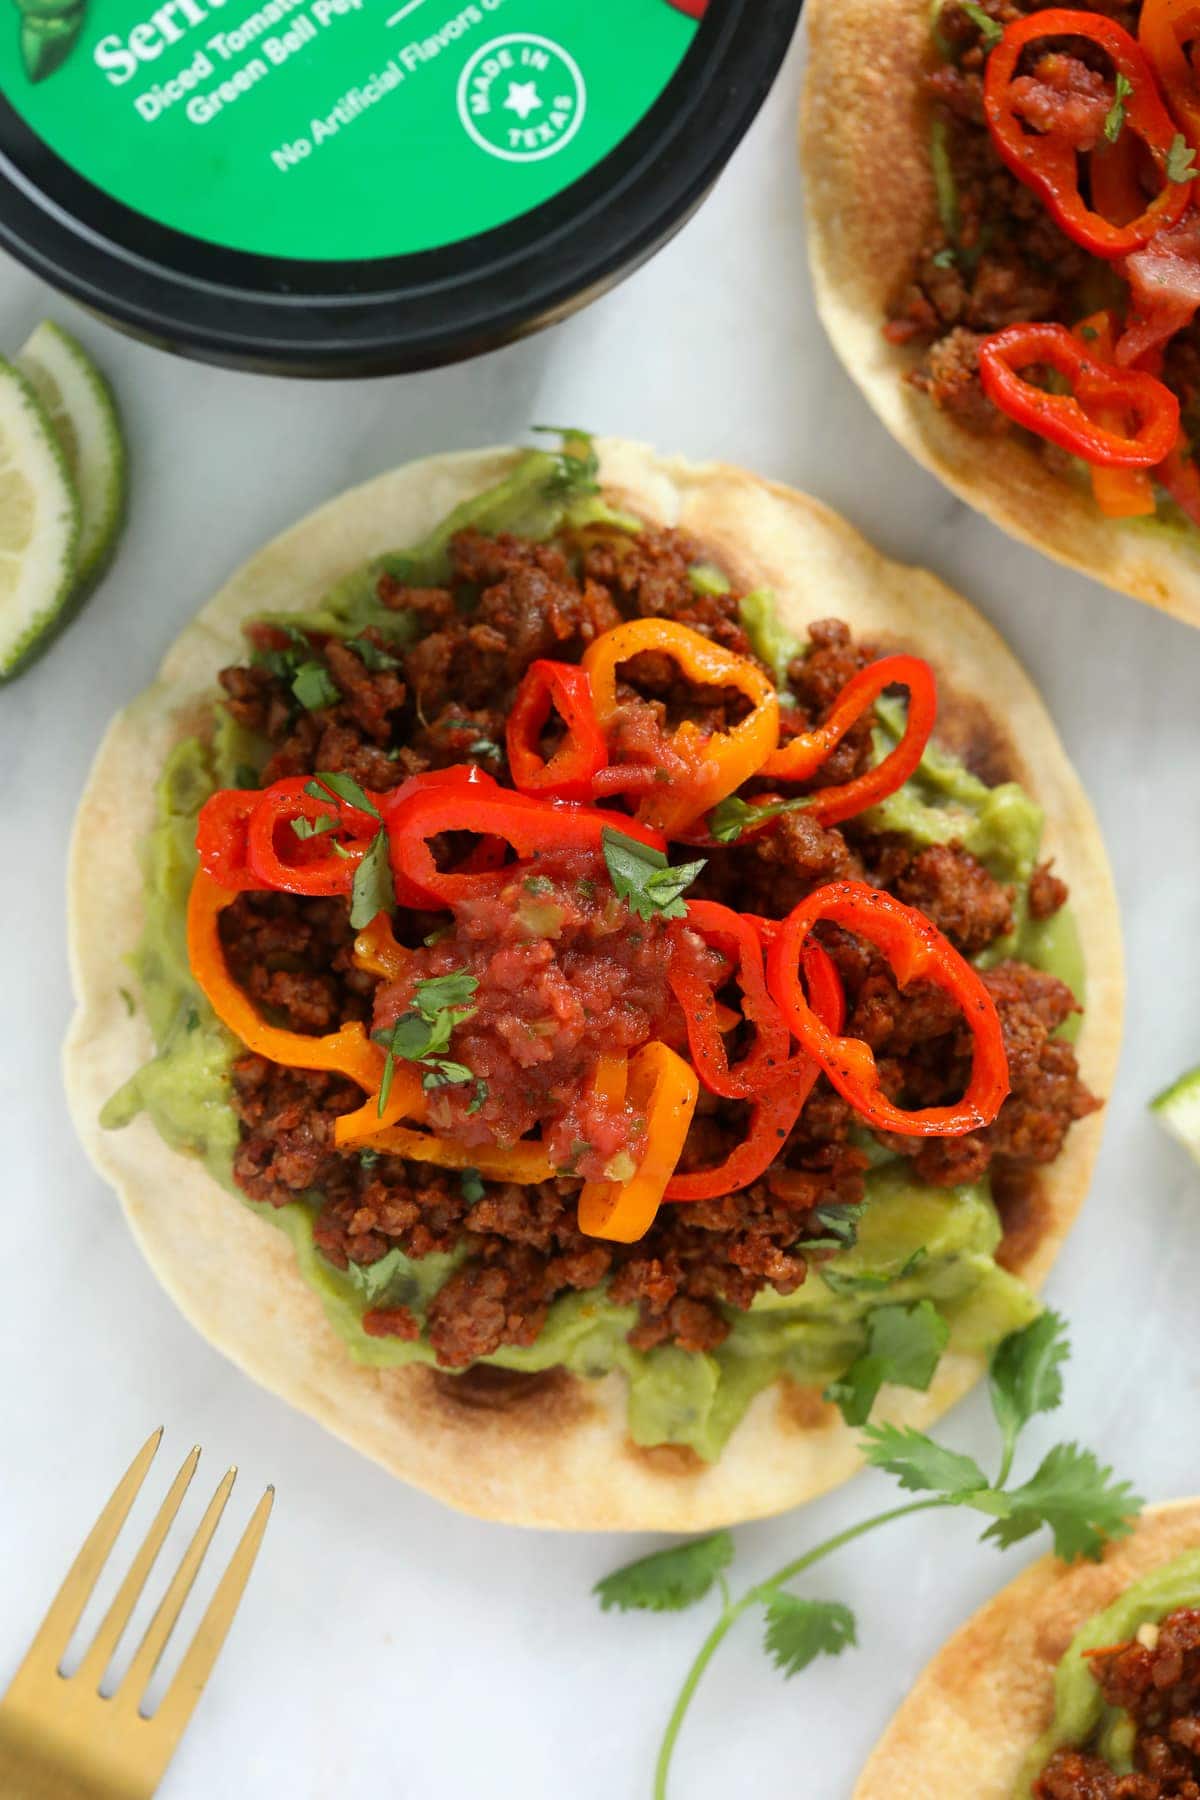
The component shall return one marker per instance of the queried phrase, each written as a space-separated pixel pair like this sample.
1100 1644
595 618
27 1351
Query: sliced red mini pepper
567 775
1069 420
422 809
775 1113
693 984
221 837
281 859
1165 28
915 951
801 757
1040 127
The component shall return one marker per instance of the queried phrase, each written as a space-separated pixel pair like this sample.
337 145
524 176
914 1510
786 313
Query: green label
337 129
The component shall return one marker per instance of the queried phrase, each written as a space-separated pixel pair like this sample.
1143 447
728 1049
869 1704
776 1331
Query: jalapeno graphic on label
49 30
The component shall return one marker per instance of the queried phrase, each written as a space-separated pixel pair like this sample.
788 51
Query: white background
386 1646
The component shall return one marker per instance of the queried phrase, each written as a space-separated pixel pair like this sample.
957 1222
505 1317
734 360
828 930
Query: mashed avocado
917 1248
1082 1718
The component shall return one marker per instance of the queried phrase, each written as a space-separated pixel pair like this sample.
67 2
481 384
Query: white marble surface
386 1645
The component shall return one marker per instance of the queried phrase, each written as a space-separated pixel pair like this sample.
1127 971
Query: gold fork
60 1738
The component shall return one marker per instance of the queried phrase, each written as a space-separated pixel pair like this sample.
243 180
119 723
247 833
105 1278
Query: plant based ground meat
565 970
1156 1681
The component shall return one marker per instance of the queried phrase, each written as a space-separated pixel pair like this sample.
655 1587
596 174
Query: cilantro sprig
642 877
422 1035
1070 1492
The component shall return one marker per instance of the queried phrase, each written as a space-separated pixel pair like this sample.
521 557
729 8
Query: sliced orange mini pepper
1119 493
523 1163
348 1051
718 762
664 1089
801 757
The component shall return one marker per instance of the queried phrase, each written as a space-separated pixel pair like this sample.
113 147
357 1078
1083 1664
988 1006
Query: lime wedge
83 413
39 524
1178 1109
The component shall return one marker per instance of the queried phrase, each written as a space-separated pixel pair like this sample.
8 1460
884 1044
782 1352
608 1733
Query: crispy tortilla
548 1450
864 139
988 1695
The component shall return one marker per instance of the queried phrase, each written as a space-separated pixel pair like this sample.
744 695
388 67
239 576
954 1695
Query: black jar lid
339 187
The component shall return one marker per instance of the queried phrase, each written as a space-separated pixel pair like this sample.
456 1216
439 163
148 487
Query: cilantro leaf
989 30
446 1074
798 1631
919 1464
1114 121
731 817
441 991
482 1090
311 828
372 891
1181 160
667 1580
340 787
643 878
1075 1495
904 1346
373 659
1026 1374
945 258
314 687
471 1184
840 1225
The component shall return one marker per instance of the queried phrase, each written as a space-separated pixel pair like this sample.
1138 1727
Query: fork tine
116 1619
159 1630
181 1697
66 1609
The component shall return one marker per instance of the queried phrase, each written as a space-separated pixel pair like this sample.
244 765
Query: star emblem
523 99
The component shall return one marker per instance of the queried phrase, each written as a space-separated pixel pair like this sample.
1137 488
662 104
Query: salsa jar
344 187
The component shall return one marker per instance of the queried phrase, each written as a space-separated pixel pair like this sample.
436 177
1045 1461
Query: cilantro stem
760 1595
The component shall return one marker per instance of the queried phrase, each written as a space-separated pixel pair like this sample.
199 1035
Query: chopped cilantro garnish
373 659
989 30
421 1034
644 879
728 820
324 786
1181 160
1114 120
314 687
373 891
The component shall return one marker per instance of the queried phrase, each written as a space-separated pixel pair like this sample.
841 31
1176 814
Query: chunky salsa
580 936
1056 290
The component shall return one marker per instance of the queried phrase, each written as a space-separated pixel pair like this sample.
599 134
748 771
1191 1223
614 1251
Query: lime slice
83 413
1179 1110
39 524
